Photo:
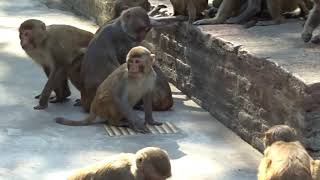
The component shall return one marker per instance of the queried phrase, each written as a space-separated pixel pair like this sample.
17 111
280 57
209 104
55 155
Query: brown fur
54 48
279 133
121 90
276 8
149 163
285 161
191 8
315 169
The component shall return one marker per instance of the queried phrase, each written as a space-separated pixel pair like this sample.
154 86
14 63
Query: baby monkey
149 163
121 90
279 133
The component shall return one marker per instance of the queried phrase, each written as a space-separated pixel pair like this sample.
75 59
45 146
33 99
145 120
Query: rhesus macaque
122 89
279 133
190 8
229 9
108 49
149 163
275 9
312 23
315 169
285 161
121 5
54 48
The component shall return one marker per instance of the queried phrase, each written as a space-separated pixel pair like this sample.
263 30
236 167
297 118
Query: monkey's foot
40 107
316 39
204 22
60 100
142 129
154 123
77 102
233 20
38 97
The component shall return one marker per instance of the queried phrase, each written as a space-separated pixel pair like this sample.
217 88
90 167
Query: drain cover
165 128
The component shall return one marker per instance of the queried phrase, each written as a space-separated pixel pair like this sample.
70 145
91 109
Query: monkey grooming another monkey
312 23
149 163
54 48
108 50
285 161
121 90
279 133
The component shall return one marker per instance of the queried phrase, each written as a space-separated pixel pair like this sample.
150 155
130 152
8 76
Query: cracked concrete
33 146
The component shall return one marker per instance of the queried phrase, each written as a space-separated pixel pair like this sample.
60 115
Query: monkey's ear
153 58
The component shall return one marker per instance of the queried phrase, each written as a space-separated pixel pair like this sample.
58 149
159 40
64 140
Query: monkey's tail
87 121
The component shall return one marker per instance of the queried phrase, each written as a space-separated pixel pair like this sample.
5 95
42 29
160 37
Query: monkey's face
136 67
26 39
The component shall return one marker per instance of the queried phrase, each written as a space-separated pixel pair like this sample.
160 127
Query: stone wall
246 93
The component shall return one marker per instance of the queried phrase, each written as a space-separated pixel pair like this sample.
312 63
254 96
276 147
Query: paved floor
33 146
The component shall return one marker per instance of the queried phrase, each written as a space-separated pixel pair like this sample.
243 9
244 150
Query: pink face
26 39
135 66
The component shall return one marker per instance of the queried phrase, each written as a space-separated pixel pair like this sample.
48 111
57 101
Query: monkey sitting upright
121 90
149 163
312 23
54 48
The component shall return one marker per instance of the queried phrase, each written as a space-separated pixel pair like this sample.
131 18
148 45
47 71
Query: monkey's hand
40 107
153 122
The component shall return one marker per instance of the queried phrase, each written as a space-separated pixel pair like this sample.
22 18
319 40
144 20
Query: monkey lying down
121 90
149 163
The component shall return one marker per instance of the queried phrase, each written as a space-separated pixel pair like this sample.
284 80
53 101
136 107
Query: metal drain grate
165 128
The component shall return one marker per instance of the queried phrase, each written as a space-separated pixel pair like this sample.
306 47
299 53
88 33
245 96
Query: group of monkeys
115 74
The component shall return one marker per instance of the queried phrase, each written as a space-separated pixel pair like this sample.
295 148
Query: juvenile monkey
285 161
122 89
54 48
149 163
191 8
312 23
279 133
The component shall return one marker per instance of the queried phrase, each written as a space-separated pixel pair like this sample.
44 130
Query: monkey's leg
192 12
63 90
254 7
51 84
147 102
224 12
274 9
312 22
47 72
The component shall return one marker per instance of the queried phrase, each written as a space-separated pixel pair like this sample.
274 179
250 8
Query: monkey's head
279 133
136 23
139 61
32 32
153 163
121 5
315 169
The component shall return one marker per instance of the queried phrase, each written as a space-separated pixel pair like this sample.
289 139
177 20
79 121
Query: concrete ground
33 146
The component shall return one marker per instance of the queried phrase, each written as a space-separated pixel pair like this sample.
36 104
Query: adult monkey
149 163
54 48
109 47
274 7
121 90
312 23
